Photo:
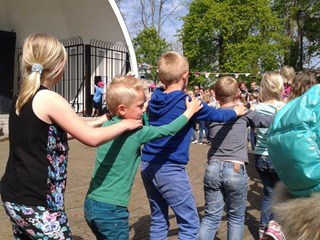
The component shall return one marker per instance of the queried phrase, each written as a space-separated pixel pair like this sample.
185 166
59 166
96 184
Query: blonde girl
33 186
271 88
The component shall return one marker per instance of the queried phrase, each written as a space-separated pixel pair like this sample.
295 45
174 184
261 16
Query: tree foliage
233 36
287 10
149 46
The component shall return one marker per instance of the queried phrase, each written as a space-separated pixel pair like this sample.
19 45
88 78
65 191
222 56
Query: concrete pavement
81 159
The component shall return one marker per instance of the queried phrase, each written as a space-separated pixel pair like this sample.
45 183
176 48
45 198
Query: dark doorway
7 49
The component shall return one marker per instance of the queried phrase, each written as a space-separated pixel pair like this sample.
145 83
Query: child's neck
174 87
271 101
229 104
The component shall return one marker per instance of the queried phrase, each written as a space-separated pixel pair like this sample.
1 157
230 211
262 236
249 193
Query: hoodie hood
163 102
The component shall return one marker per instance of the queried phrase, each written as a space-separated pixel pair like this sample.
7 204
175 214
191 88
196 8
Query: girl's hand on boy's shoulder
132 124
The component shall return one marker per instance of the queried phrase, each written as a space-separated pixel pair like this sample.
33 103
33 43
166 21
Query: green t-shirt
117 161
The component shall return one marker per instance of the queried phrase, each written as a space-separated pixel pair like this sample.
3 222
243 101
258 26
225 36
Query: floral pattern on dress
57 155
37 222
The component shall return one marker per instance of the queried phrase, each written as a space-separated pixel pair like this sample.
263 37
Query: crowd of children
33 186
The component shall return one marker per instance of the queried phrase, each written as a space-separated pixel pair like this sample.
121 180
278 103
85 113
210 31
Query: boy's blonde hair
288 74
271 86
171 67
46 51
226 89
123 90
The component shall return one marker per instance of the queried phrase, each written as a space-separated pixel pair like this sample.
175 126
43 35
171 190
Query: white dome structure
95 25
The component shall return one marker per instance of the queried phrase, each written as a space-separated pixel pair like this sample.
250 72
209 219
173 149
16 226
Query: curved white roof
90 19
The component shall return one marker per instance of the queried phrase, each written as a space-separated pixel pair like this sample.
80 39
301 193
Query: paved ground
79 171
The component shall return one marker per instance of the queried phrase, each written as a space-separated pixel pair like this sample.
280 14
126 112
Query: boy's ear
185 75
122 110
185 78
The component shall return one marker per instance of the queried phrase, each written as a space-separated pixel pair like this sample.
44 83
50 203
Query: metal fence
86 63
72 85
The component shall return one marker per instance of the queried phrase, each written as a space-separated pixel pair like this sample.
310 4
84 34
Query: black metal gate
72 85
108 60
87 63
7 52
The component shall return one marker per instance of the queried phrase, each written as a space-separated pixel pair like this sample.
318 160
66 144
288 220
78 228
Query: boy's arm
208 113
259 120
148 133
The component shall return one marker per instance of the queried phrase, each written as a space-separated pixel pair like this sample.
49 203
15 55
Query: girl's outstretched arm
53 108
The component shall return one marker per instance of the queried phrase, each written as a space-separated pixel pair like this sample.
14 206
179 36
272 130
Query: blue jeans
224 185
269 178
107 221
167 186
203 127
194 136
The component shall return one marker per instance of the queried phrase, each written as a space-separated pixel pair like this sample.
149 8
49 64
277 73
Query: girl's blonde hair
271 86
123 90
288 74
171 67
43 50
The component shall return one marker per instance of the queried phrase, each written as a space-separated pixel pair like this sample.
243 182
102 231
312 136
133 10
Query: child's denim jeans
269 178
167 186
107 221
225 183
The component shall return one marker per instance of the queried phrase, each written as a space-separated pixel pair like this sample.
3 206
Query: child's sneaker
274 231
262 234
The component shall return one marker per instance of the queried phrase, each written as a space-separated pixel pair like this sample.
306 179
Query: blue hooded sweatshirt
163 108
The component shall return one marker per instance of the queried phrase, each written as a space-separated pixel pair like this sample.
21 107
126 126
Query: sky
131 10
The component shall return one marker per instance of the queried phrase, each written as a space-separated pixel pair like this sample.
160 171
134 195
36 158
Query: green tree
287 10
148 47
233 36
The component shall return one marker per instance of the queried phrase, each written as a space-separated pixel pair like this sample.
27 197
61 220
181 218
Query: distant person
301 83
271 89
197 92
213 100
33 185
226 179
253 101
163 165
194 138
107 200
244 95
288 74
97 99
254 87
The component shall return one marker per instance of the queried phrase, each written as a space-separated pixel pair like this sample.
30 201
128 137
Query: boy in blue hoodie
164 161
117 161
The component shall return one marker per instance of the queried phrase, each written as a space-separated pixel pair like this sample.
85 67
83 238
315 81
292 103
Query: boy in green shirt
106 204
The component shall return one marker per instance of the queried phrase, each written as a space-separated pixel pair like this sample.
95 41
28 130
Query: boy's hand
131 124
193 106
240 109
